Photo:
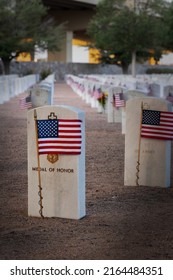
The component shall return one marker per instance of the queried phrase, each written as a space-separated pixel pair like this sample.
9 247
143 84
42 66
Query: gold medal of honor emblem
52 158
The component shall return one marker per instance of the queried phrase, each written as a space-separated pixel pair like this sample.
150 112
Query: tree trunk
32 54
6 65
134 64
125 67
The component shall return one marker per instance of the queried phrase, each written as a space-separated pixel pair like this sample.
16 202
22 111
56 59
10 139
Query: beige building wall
76 23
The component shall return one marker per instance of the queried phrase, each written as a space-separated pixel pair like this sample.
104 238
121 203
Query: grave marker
57 172
40 97
114 113
129 94
155 155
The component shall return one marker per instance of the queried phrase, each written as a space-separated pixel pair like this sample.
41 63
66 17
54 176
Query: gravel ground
121 222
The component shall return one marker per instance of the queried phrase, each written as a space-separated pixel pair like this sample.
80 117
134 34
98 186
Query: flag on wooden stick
170 98
157 125
118 100
25 103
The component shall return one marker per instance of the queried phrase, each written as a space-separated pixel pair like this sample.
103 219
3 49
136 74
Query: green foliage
103 99
29 71
25 24
158 70
44 73
118 30
168 19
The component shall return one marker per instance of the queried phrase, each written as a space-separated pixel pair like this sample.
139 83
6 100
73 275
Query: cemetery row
37 93
110 93
12 85
56 139
41 94
144 108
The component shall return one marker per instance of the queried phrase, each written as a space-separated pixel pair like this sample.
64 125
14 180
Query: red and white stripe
23 104
163 131
68 142
118 101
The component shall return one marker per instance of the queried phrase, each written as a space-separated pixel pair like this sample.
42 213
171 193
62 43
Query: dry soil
122 222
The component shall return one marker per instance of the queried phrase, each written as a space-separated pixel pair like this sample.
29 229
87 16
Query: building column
65 55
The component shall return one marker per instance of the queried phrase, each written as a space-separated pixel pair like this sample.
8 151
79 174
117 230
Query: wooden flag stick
139 147
39 172
113 105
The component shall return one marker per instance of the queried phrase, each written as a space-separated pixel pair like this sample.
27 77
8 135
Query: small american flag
170 98
157 125
25 103
98 93
118 100
59 136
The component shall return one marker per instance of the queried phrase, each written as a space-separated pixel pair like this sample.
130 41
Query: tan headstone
155 155
40 97
62 181
129 94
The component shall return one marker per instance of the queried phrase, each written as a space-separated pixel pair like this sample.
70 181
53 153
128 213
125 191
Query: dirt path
121 222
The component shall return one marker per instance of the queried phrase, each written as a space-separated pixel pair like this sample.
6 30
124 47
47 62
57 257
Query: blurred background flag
25 102
118 100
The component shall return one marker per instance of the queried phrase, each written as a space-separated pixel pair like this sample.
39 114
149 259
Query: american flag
98 93
170 98
59 136
157 125
118 100
25 103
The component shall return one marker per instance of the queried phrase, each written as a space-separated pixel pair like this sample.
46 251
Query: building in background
77 14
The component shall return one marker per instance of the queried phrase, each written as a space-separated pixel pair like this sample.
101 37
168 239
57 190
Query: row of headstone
88 88
42 94
100 95
93 92
56 147
147 161
152 85
12 85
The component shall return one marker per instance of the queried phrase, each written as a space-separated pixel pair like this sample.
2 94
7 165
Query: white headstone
168 90
113 113
6 90
62 180
129 94
2 91
40 97
155 155
155 90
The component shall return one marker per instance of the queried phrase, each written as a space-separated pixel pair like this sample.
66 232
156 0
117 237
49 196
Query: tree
123 33
168 18
23 25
